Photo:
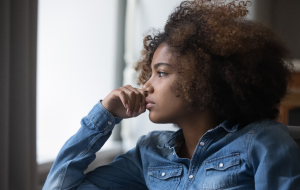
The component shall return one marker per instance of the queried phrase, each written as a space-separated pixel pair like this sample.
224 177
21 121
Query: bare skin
163 105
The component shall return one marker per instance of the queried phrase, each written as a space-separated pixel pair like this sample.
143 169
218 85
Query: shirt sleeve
275 158
79 151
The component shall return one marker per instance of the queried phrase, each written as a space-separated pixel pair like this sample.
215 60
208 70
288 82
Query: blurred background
60 57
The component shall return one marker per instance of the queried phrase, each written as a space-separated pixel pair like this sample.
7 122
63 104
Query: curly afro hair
235 66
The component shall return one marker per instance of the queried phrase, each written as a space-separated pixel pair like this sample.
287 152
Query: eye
161 74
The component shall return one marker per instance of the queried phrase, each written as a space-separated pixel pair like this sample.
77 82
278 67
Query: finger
130 92
127 92
125 101
143 105
133 100
123 98
138 100
138 103
130 100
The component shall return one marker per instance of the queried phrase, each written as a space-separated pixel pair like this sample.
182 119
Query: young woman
220 79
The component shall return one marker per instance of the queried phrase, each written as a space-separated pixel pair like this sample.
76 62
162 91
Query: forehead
162 55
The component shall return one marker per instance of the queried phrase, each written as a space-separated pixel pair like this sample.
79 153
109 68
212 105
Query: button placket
200 149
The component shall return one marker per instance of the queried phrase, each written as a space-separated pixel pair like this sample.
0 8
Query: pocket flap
165 172
223 162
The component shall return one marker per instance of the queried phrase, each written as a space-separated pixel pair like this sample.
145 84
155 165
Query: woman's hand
125 102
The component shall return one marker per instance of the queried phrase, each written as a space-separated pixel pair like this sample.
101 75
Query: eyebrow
161 64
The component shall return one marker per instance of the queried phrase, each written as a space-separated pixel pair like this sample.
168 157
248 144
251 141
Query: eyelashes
159 74
162 74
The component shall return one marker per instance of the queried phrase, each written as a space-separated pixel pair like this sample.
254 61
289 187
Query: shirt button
173 153
163 174
202 143
191 176
109 123
221 165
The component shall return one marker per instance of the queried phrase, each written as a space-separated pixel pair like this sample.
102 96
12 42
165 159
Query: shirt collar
229 126
177 137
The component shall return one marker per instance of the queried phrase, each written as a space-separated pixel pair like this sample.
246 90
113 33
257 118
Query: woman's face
163 104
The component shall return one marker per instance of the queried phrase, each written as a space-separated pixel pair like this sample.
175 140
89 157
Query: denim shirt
258 156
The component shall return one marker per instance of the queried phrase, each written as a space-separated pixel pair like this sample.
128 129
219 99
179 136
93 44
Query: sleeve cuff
102 119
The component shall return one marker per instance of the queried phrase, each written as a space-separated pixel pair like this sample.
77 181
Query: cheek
168 105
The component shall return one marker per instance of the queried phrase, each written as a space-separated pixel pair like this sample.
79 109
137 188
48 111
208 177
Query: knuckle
132 93
120 89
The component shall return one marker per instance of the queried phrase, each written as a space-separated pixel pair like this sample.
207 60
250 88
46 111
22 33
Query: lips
150 103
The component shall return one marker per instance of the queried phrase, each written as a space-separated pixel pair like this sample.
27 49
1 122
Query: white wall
76 64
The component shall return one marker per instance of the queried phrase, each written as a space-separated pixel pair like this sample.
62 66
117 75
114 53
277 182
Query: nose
147 87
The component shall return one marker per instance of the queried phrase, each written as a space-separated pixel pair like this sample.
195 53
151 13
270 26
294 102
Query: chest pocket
221 172
164 177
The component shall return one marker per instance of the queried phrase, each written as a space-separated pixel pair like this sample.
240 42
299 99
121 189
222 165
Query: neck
194 126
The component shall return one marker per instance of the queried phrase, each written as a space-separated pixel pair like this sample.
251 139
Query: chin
158 118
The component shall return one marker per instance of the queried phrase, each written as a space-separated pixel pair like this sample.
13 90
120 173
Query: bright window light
76 67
